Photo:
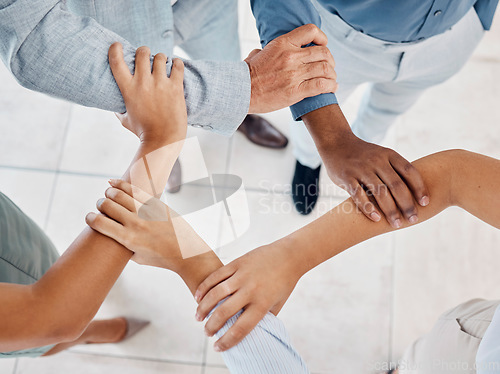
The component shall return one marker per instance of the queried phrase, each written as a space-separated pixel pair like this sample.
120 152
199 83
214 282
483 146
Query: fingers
213 297
106 226
305 35
123 199
133 191
223 313
212 280
362 201
241 328
177 73
114 211
142 62
316 86
412 178
319 69
401 194
118 66
160 66
316 53
385 201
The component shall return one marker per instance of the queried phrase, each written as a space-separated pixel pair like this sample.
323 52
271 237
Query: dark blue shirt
396 21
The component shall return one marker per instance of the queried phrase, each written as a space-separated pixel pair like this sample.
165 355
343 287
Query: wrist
328 127
253 105
294 255
160 140
195 270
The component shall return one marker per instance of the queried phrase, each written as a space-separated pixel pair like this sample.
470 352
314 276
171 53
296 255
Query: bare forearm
60 305
459 178
198 268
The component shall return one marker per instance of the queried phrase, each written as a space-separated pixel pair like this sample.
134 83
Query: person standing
60 48
401 49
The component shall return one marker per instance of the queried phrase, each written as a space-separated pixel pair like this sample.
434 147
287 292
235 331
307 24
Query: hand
284 73
378 179
156 108
139 222
260 281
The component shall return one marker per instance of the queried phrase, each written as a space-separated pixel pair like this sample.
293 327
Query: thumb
307 34
252 54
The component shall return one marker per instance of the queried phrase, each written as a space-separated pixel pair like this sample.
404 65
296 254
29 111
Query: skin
263 279
367 170
59 307
284 73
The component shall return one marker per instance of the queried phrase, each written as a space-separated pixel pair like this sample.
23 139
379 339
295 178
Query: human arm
343 153
264 278
137 220
276 18
50 49
60 305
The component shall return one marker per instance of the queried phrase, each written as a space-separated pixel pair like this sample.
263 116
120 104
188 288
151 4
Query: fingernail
424 201
217 348
99 202
197 317
397 223
197 296
375 216
413 219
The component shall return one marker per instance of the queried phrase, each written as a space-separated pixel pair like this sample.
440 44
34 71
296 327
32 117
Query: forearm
196 269
65 55
459 178
328 128
61 304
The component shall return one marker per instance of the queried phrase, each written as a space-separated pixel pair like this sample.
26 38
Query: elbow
65 331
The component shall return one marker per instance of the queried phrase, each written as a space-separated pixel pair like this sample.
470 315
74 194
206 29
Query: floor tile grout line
205 354
58 167
107 176
138 358
16 362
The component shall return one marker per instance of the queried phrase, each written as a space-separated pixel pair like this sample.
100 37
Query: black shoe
305 188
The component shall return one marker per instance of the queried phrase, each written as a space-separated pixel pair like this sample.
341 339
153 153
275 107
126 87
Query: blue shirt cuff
312 103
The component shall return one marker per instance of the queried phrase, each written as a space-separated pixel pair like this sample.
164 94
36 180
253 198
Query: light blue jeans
398 74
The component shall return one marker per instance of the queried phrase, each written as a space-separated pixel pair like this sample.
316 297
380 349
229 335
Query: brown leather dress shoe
261 132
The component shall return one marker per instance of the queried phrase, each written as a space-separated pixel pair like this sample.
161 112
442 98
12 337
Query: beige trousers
452 344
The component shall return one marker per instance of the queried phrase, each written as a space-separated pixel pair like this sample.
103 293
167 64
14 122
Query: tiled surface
31 190
92 364
33 128
345 316
7 366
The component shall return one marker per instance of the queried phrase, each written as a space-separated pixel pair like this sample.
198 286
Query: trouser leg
452 344
211 29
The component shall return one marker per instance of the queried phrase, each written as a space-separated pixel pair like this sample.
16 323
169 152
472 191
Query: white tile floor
361 308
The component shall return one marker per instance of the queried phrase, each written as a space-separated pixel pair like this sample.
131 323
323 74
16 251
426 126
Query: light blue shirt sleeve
278 17
266 350
52 50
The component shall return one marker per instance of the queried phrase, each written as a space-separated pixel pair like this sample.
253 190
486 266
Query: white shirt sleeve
488 354
266 350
